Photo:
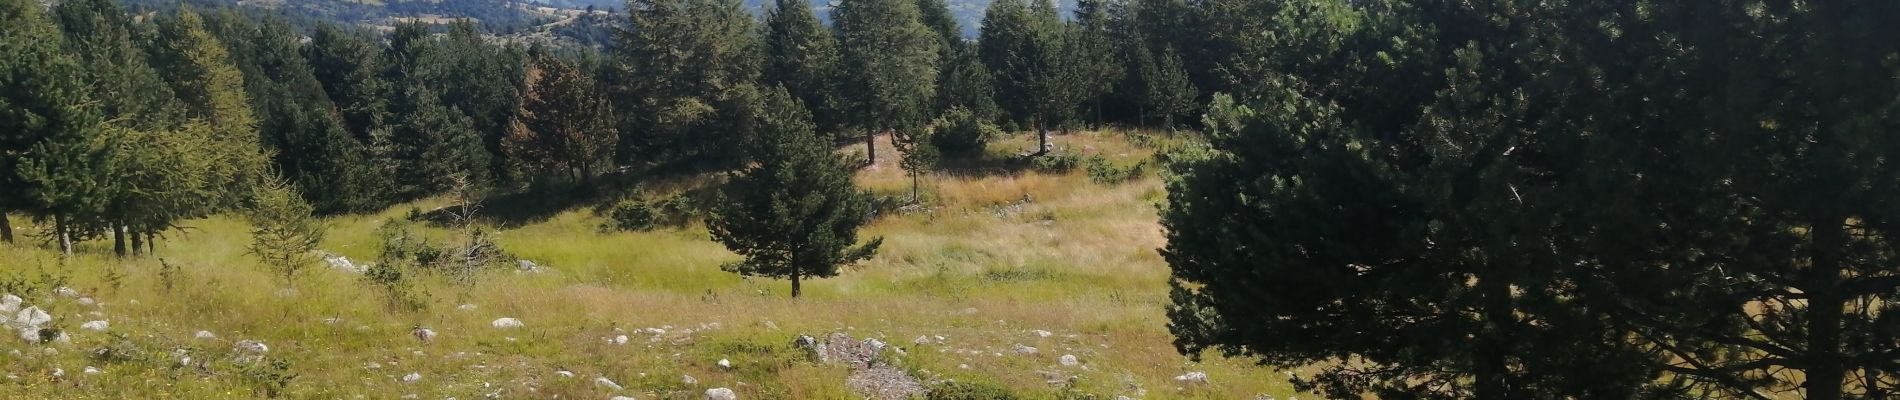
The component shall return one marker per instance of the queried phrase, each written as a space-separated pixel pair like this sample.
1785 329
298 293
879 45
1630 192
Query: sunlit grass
976 263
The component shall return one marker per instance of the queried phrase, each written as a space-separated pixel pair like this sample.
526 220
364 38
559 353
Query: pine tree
284 234
202 75
432 144
56 160
565 124
683 75
890 60
801 54
1032 52
1166 90
793 212
349 66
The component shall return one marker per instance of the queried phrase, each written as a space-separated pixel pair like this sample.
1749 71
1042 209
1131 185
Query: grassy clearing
978 265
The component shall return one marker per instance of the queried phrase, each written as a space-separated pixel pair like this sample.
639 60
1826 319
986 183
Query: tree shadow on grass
538 203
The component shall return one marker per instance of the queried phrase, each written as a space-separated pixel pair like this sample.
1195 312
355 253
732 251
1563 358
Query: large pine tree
801 54
890 61
54 158
685 69
565 124
793 212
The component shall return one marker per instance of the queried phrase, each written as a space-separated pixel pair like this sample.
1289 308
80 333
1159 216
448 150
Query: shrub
1105 172
1056 162
962 133
630 215
953 390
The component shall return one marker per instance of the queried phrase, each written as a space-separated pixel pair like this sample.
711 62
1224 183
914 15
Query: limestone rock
95 326
506 323
721 394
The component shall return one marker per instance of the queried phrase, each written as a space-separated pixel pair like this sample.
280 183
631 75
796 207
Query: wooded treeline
131 120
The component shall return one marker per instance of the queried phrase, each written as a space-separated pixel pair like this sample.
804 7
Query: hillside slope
1003 259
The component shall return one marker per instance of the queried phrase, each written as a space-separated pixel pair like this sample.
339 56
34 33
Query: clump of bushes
1056 162
954 390
630 215
962 133
1105 172
636 214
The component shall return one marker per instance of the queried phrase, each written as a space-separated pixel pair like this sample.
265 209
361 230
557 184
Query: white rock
527 266
506 323
620 339
466 307
66 291
412 377
373 365
425 335
688 380
32 316
342 263
206 335
86 301
1195 377
62 338
878 345
564 373
723 363
10 303
59 372
1043 333
31 334
606 383
963 366
1068 360
921 340
721 394
252 346
95 326
92 371
1021 349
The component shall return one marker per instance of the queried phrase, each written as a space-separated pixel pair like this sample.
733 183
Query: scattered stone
527 266
92 371
412 377
66 292
963 366
374 365
1068 360
506 323
32 316
1042 333
466 307
813 349
251 346
841 348
723 363
206 335
425 335
60 338
721 394
1195 377
86 301
564 373
10 303
95 326
921 340
883 382
59 372
342 263
1021 349
619 340
607 383
689 380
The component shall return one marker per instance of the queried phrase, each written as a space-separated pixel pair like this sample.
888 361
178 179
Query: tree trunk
6 228
870 155
794 283
1042 138
138 242
65 238
1827 367
1491 370
118 241
151 243
913 188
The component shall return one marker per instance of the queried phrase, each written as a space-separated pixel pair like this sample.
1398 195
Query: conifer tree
431 144
890 60
54 158
203 76
284 233
793 212
684 72
565 124
801 54
1032 53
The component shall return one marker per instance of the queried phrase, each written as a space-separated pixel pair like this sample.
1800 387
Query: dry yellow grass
977 266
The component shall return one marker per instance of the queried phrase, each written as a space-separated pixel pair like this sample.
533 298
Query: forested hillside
1485 199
